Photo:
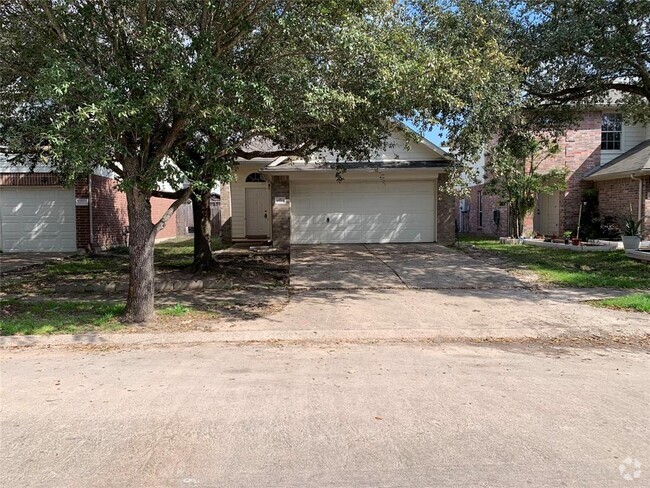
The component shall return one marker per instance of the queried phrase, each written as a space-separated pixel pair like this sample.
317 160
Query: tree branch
160 225
171 195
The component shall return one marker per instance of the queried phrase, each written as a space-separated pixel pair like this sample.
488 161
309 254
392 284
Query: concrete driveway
384 266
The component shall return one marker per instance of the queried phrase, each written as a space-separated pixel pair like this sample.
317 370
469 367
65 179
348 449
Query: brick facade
446 205
226 214
491 224
579 153
617 198
281 212
109 210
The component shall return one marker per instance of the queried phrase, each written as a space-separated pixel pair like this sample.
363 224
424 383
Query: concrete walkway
386 266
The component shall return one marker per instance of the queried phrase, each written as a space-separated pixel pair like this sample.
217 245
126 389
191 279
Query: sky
433 136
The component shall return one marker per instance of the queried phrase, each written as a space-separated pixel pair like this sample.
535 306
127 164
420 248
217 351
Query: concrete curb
289 336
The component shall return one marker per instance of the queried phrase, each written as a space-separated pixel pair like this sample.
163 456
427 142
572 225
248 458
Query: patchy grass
177 310
639 302
170 256
57 317
179 253
567 268
22 317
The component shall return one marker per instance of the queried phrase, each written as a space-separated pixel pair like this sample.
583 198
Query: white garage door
37 219
362 212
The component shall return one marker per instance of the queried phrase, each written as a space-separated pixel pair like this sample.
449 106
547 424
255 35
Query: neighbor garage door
362 212
37 219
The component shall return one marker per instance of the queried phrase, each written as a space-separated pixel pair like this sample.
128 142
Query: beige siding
633 134
238 198
396 149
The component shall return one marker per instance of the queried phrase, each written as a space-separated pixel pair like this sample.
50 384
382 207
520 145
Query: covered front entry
363 212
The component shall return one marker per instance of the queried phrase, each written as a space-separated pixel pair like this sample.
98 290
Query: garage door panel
37 219
361 212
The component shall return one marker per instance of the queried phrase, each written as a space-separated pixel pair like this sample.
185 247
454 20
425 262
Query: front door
547 214
257 212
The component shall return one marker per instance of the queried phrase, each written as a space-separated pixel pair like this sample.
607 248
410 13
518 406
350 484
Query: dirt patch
230 271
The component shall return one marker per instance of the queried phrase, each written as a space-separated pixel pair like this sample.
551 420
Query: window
480 209
612 127
255 178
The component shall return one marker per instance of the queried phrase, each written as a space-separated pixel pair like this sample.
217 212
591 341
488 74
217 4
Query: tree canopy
132 85
578 52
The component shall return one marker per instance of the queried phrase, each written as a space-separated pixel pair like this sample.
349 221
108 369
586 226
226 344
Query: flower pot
631 243
566 241
575 242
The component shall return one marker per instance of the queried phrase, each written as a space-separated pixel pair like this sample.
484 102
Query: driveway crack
387 265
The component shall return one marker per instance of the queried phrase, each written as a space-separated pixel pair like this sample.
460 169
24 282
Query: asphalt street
306 414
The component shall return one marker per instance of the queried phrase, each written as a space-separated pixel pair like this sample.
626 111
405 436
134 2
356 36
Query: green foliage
57 317
631 226
177 310
89 84
575 52
513 171
639 302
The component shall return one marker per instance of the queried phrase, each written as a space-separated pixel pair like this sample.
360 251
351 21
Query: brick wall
579 152
446 206
616 197
110 214
82 215
281 213
29 179
226 214
158 207
468 222
110 219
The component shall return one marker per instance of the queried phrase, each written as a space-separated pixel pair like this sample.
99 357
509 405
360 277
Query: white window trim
614 151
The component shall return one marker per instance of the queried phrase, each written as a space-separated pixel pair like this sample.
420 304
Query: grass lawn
57 317
20 317
639 302
567 268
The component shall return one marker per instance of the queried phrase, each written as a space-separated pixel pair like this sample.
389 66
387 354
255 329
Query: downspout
640 212
90 209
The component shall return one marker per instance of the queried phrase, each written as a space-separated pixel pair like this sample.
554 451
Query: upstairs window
255 178
612 128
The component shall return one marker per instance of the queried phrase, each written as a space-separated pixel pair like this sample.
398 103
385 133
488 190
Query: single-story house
395 197
38 214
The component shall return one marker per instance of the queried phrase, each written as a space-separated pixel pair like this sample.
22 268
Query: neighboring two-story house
603 153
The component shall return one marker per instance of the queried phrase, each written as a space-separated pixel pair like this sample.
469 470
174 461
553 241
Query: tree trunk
142 237
202 230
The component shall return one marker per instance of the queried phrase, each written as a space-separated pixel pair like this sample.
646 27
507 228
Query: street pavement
310 414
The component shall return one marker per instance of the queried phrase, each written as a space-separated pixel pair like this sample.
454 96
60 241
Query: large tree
582 51
133 85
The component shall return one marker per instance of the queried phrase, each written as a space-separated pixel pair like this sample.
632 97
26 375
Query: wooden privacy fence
185 218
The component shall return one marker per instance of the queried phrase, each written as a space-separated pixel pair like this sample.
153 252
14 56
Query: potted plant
567 236
631 233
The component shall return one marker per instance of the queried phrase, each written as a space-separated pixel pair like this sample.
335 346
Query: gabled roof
634 162
297 166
